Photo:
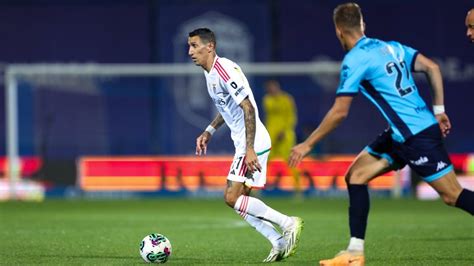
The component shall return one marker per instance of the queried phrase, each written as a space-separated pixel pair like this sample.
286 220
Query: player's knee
356 177
230 199
347 178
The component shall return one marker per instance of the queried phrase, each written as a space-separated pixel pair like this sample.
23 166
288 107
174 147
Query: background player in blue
381 71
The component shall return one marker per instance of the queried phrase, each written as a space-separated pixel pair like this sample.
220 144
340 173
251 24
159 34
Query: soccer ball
155 248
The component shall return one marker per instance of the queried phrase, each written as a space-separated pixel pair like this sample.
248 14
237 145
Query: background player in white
233 98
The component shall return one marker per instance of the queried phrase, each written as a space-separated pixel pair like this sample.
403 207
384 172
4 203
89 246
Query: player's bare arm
433 73
205 137
250 127
218 121
333 118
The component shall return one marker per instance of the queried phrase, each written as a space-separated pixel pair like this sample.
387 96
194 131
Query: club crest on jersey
214 87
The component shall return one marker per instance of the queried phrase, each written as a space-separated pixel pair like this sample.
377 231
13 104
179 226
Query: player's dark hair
348 16
205 34
272 81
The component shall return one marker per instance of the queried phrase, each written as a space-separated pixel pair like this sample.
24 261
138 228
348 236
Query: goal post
18 72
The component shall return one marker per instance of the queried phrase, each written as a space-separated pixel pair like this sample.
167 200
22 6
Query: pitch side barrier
207 176
123 177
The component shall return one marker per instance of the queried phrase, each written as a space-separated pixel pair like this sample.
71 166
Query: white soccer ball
155 248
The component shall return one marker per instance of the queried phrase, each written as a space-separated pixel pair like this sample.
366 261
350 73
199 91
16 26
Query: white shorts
238 170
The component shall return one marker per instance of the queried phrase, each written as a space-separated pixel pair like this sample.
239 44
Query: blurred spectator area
141 117
62 119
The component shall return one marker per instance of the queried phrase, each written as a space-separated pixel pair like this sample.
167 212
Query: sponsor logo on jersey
344 75
420 161
221 98
238 91
420 109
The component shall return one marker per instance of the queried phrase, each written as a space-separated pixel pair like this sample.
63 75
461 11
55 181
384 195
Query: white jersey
228 87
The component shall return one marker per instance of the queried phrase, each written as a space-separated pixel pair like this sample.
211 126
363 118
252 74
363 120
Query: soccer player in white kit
233 98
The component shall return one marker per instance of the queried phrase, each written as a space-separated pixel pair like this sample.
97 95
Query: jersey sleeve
233 78
352 74
410 56
406 53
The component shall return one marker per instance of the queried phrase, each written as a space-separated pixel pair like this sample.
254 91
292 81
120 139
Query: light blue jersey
382 72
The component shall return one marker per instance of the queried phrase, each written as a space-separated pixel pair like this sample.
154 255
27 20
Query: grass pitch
206 232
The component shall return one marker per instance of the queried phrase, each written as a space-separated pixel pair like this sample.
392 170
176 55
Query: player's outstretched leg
269 232
345 258
359 205
291 226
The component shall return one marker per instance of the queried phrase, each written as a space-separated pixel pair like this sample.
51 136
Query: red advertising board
192 173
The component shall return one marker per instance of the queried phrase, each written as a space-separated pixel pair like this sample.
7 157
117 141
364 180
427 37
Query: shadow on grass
200 261
411 260
88 256
215 262
179 260
173 260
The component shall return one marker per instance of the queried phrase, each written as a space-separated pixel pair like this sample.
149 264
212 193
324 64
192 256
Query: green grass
206 232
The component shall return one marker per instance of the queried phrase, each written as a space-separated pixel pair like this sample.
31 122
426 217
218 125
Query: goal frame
16 72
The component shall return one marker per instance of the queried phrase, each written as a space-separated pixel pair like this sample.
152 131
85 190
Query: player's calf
233 191
465 201
449 199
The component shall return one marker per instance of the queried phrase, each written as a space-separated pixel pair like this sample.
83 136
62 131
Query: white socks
266 229
259 216
356 244
255 207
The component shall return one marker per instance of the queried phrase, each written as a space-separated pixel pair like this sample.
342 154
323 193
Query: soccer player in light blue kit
381 71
